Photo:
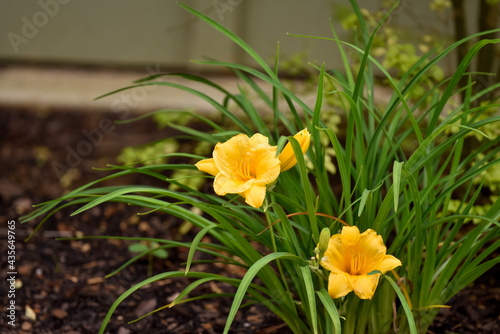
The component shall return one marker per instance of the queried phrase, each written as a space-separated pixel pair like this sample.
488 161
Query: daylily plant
440 257
355 262
245 166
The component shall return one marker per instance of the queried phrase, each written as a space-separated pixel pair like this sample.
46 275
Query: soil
60 284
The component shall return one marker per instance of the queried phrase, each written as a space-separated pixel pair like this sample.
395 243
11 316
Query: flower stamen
244 170
357 263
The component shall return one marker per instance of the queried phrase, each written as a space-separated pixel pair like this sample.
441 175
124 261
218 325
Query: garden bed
63 281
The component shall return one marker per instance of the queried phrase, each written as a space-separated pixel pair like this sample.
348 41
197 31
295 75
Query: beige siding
159 32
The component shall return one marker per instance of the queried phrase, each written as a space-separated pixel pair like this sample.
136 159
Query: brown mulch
61 285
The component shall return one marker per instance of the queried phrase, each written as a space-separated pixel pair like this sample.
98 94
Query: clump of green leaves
164 119
397 57
399 172
149 154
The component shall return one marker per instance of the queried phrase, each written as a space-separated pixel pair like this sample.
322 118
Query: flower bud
287 157
324 239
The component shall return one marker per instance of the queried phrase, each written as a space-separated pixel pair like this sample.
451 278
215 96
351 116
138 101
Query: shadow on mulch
61 285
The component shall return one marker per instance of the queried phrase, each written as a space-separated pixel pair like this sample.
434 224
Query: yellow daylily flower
287 157
243 166
350 257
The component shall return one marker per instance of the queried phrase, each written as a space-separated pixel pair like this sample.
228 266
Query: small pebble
59 313
26 326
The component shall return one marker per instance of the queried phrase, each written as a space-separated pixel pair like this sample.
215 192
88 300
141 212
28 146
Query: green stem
150 265
352 312
278 262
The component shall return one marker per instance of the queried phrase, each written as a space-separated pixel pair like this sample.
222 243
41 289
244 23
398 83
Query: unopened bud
287 156
324 239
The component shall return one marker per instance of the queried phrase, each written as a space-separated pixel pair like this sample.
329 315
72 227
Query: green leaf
195 92
251 52
344 169
311 300
226 134
195 243
364 198
137 248
406 307
249 276
457 76
140 285
359 81
396 179
329 305
308 192
374 272
318 149
160 253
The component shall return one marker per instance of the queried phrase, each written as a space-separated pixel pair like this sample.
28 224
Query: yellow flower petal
335 255
267 167
287 156
224 185
229 154
255 195
364 285
388 263
372 246
372 242
259 140
350 235
208 166
338 285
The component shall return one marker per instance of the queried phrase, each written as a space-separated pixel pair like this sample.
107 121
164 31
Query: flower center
244 169
358 261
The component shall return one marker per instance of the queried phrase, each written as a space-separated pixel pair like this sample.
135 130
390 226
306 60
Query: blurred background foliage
397 49
160 34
